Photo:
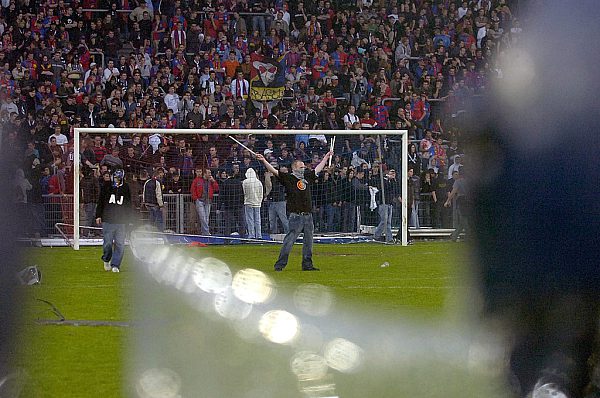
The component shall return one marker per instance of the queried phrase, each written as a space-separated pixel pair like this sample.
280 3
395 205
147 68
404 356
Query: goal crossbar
93 130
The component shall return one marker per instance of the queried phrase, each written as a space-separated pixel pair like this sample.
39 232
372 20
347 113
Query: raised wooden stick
243 146
331 149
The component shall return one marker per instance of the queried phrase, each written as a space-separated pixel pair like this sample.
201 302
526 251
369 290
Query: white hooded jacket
253 189
455 166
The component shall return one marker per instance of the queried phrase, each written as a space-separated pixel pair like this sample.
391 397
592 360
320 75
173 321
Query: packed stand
173 64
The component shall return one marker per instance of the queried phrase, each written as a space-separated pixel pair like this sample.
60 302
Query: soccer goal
345 196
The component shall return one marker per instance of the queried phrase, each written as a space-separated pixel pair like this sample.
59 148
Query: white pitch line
404 287
82 286
424 278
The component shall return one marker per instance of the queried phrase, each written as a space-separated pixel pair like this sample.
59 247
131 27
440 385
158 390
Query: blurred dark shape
9 265
537 200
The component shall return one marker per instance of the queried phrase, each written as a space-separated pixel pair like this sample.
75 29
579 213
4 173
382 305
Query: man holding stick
298 189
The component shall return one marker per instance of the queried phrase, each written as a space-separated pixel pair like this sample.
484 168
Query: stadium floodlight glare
232 132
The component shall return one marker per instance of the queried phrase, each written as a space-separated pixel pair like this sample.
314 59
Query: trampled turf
87 361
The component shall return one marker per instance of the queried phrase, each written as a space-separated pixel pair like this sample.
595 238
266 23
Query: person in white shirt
138 12
9 106
462 10
61 139
155 140
210 84
455 166
109 71
240 86
350 118
172 100
403 50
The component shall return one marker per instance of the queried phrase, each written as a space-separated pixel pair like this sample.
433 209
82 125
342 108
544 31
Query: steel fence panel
58 209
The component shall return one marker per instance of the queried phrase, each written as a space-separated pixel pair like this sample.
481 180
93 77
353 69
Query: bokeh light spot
278 326
158 383
343 355
313 299
212 275
252 286
308 366
230 307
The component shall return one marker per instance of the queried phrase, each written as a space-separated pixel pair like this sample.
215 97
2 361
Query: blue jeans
414 220
253 222
385 222
259 23
156 217
356 99
463 212
298 223
203 210
348 217
114 234
332 215
90 214
38 217
277 210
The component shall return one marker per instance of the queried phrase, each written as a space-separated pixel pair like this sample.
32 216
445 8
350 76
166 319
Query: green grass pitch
87 361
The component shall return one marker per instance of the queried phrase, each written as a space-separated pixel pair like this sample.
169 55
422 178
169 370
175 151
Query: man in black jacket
277 203
385 202
112 213
231 197
297 185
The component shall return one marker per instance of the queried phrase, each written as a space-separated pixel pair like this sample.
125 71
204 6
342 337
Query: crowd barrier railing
180 216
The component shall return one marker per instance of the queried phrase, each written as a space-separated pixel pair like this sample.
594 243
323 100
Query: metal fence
40 218
179 214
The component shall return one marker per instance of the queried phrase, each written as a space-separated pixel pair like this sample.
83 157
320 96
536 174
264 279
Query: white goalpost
334 133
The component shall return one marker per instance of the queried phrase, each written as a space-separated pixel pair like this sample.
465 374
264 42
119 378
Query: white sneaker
115 269
107 266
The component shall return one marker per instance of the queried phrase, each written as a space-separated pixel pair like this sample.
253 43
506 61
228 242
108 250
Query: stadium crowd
168 64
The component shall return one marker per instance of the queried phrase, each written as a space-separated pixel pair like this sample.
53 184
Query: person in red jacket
203 188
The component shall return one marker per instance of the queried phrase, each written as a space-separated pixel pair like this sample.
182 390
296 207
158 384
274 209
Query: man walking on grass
112 212
297 185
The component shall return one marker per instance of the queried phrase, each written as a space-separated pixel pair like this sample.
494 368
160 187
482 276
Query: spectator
428 196
172 100
231 198
350 118
348 201
426 149
178 36
90 191
138 12
61 139
253 197
390 193
462 197
203 187
240 87
21 188
275 192
331 63
414 191
153 199
361 191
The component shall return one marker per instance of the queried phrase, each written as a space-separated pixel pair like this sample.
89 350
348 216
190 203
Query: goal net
346 197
